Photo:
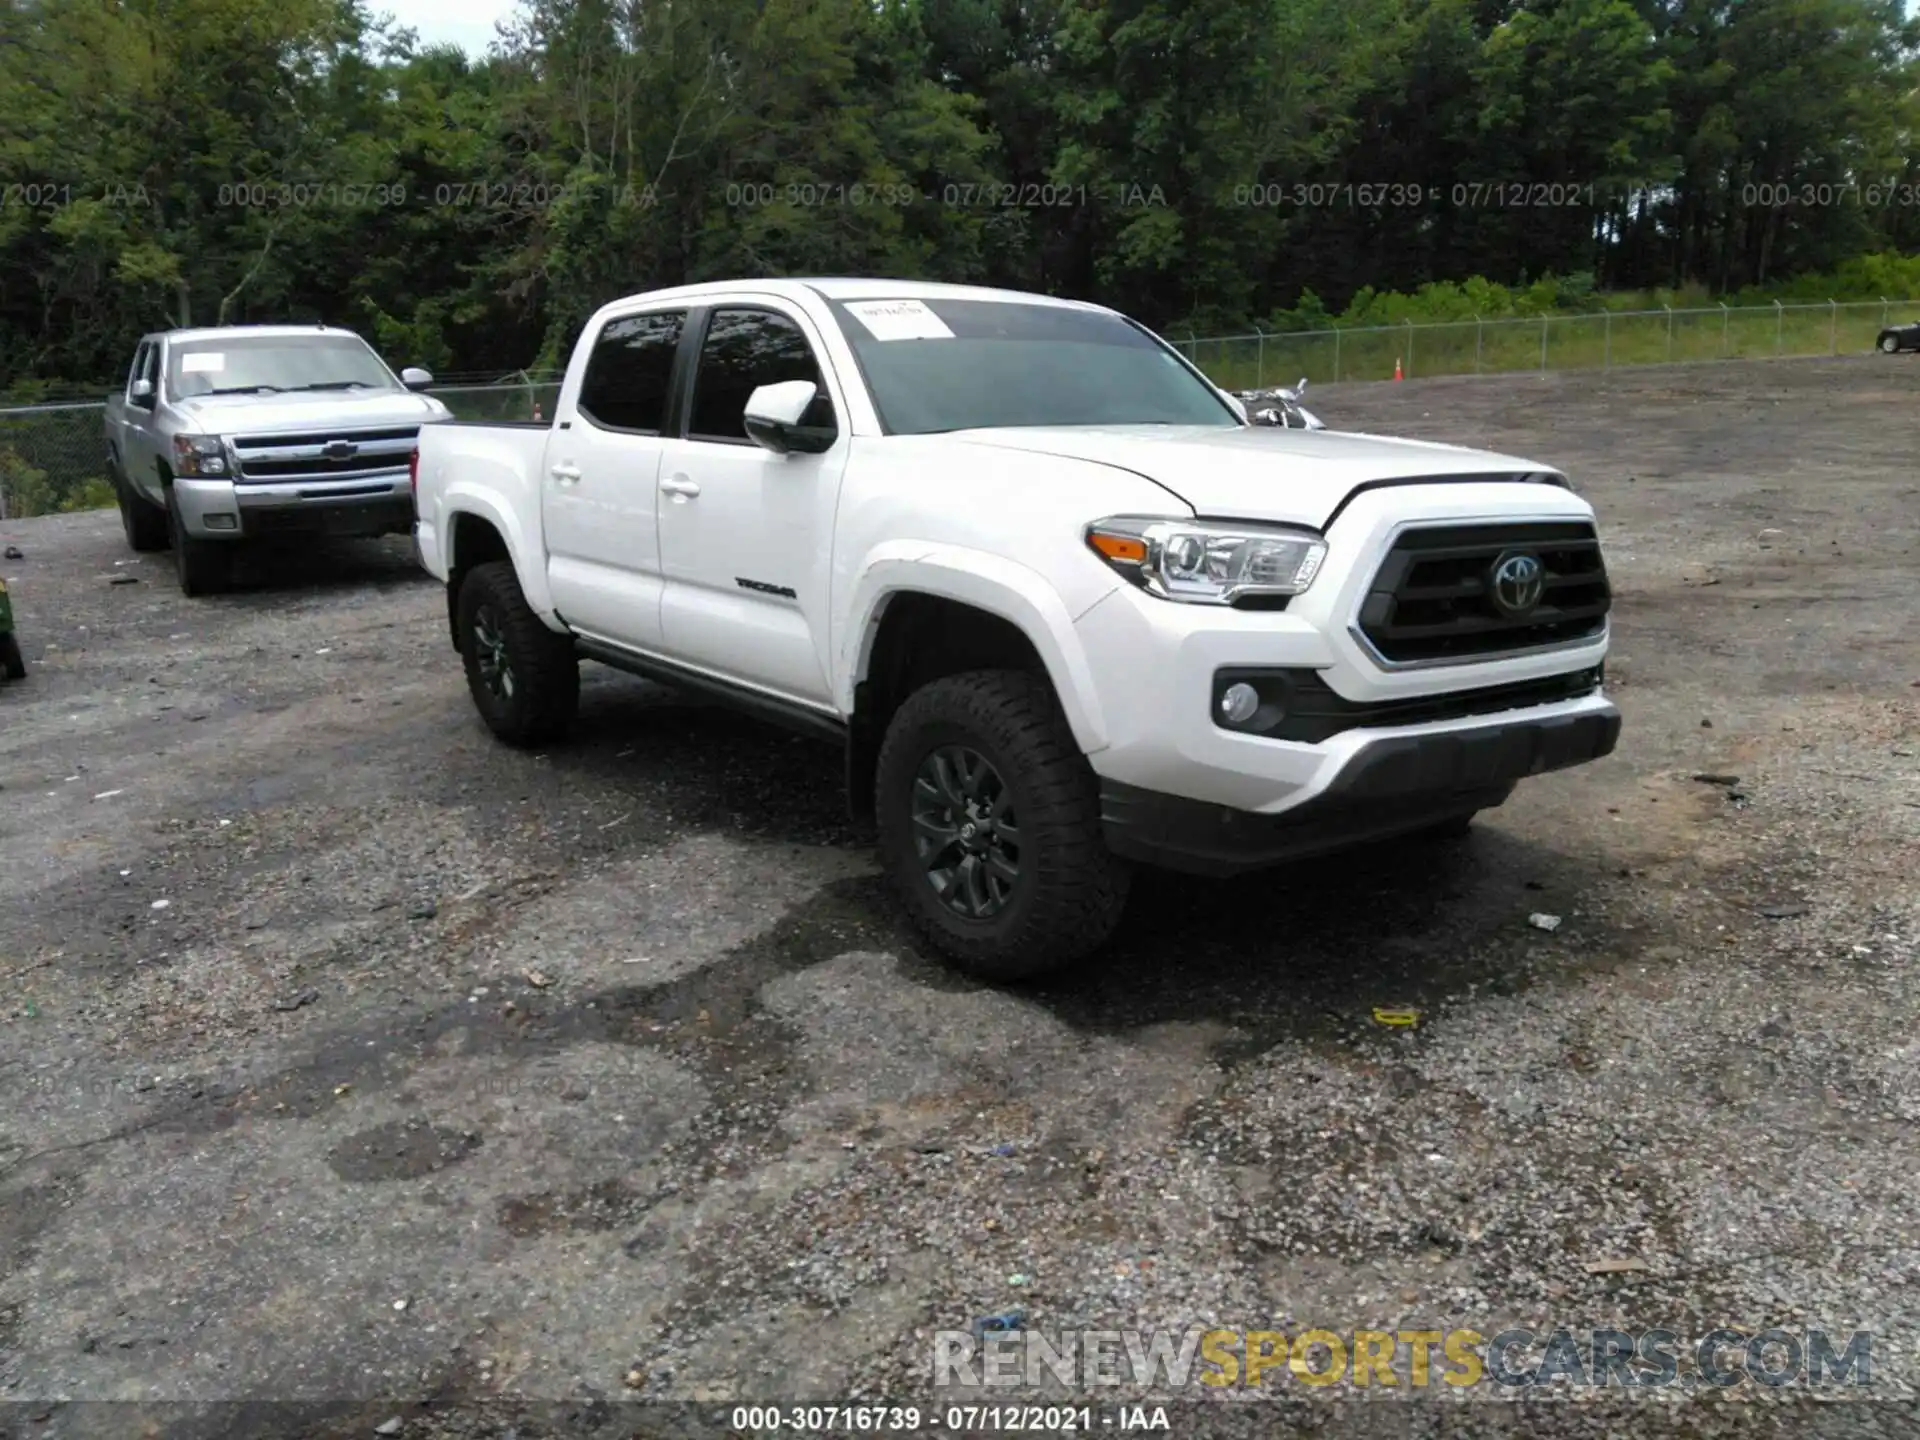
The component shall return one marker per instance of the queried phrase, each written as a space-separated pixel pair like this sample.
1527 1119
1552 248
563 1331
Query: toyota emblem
1519 580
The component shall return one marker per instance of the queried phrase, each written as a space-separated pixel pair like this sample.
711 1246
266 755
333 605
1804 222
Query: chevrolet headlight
1204 563
199 455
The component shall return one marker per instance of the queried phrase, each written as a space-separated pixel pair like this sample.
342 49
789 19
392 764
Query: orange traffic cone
1396 369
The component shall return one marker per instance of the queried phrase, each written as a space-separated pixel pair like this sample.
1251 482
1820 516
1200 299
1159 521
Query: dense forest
1201 163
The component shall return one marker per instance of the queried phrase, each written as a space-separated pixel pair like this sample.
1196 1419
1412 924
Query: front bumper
1345 748
1390 783
223 510
1152 664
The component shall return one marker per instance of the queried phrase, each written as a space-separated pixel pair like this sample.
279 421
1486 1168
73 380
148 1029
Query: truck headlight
199 455
1204 563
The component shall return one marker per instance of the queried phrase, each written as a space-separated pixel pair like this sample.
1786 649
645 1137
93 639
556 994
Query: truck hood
309 410
1297 477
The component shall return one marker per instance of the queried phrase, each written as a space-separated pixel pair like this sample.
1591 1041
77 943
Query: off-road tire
144 522
12 663
204 567
1071 889
495 624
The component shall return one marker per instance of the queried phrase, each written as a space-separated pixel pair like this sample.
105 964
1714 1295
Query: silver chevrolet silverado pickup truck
259 431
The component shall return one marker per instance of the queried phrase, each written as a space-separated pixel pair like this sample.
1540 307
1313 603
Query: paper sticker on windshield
203 362
899 320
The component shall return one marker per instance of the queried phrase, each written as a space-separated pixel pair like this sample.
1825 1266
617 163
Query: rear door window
630 373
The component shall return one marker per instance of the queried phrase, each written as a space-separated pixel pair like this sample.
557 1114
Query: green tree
1169 112
1573 120
1198 162
1776 100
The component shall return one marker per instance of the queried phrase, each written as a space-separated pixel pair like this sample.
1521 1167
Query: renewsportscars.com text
1416 1359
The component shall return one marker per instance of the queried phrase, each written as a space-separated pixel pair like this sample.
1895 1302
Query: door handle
679 485
565 474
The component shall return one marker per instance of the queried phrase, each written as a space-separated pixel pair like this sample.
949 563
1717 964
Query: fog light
222 522
1238 703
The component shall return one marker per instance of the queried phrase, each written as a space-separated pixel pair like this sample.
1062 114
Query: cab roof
844 288
243 332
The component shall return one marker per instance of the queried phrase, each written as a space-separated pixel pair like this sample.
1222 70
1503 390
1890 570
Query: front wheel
524 678
989 820
144 522
204 567
12 663
1889 343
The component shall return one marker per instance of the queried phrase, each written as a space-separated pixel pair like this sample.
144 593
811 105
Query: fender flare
460 499
1015 593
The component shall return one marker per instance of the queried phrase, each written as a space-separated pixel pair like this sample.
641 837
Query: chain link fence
1599 341
53 455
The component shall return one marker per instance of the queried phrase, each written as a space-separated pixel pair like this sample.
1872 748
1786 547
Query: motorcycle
1280 406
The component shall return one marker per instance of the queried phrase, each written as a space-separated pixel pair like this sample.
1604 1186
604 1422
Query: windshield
936 365
249 364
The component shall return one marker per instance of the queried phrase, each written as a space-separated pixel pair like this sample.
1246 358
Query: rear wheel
12 663
144 522
1889 343
524 678
989 821
204 567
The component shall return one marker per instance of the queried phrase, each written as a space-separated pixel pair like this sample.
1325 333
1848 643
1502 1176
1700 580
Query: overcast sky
466 23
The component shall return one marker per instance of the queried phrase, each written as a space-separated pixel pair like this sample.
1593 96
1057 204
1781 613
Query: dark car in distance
1896 338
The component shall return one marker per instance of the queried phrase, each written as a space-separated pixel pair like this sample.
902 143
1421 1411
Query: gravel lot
347 1056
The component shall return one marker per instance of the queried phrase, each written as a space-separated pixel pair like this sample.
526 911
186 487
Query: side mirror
141 392
1240 409
773 419
414 378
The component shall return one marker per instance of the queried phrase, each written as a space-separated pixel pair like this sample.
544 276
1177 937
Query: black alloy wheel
989 827
490 656
965 832
524 677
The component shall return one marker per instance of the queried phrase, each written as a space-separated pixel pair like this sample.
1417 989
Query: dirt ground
348 1057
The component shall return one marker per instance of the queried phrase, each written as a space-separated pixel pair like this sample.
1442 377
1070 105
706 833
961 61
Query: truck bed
503 460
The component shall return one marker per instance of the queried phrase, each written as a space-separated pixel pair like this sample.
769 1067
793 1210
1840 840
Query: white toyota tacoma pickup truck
1063 607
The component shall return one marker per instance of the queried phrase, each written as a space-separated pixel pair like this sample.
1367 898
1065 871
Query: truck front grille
1439 597
284 458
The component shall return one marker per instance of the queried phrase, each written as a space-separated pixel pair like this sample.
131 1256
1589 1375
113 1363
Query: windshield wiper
242 390
336 385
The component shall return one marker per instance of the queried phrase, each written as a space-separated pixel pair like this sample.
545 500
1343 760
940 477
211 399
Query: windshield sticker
899 320
204 362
